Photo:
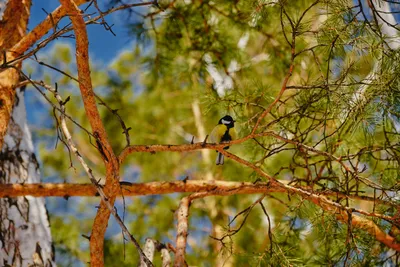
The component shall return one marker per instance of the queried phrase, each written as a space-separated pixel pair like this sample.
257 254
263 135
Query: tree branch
182 227
182 231
103 145
370 227
40 30
141 189
160 188
211 188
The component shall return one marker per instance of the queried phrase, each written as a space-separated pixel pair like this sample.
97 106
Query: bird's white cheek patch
225 122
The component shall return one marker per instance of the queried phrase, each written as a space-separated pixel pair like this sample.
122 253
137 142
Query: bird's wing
217 133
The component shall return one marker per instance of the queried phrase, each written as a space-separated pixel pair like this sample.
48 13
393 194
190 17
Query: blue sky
103 45
103 48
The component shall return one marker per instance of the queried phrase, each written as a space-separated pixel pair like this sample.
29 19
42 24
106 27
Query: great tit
223 132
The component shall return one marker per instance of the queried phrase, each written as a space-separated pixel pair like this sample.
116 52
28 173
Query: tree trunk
13 27
25 238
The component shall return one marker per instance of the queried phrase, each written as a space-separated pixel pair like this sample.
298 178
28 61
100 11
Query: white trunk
25 238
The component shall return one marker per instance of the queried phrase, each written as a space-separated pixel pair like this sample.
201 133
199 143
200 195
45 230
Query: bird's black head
228 121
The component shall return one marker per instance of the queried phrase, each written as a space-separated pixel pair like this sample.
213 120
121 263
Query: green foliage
70 247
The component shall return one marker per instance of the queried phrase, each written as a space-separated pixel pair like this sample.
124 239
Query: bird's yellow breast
232 133
220 132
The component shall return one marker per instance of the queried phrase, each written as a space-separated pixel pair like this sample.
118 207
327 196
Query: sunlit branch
369 226
103 145
163 187
50 22
97 187
201 145
319 200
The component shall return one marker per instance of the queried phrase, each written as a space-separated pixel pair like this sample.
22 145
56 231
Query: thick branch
160 188
40 30
369 226
99 133
208 188
85 83
142 189
14 22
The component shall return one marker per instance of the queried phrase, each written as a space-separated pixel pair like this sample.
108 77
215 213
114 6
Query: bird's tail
220 159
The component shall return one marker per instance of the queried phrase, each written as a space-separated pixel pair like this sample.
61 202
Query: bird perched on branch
223 132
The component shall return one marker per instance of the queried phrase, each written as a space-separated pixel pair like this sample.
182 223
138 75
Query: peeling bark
11 31
25 237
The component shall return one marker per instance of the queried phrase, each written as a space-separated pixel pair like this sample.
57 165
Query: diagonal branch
104 147
85 83
99 188
51 22
292 44
370 227
327 204
40 30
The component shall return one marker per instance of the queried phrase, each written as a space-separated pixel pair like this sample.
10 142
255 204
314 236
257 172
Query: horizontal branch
132 189
203 145
209 188
186 147
215 187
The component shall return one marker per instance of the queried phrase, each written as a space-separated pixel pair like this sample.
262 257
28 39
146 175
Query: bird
223 132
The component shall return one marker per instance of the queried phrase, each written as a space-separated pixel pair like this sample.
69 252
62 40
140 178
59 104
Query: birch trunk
25 238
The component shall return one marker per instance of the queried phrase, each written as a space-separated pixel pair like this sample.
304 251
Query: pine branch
160 188
50 22
103 145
